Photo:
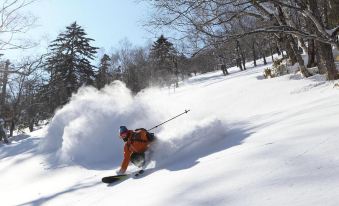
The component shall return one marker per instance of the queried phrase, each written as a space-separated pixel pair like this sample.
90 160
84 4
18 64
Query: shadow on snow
22 145
43 200
186 151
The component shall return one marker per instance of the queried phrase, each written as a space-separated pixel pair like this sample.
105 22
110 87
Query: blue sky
106 21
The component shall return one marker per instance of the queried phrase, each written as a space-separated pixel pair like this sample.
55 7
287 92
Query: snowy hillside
246 141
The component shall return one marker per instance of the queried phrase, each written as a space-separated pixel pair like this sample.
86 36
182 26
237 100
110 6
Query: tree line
218 34
33 88
228 25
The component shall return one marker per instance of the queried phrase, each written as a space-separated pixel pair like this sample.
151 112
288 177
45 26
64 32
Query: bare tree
23 89
288 20
14 22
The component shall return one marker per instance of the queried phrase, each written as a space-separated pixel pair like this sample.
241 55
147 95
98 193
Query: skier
136 144
3 131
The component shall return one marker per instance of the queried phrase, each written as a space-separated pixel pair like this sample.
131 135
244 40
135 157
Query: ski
117 178
114 178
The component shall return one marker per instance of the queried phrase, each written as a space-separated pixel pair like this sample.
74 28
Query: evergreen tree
69 63
104 77
163 57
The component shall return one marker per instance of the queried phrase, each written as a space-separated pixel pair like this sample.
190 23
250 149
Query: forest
206 35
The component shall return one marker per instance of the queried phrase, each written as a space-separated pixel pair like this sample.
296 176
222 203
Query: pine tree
163 57
69 63
104 77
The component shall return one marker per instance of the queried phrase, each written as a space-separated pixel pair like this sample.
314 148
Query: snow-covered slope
246 141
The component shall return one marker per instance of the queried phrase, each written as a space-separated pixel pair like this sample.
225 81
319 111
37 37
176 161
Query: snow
246 141
331 31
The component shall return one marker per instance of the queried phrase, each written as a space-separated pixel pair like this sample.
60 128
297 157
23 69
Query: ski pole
169 119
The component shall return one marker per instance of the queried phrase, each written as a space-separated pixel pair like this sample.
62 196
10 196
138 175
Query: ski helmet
123 131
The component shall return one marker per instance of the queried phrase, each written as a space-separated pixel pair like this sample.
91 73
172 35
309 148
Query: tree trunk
239 63
262 54
277 48
326 61
271 50
288 39
325 6
12 128
265 62
311 54
31 125
4 85
254 54
290 51
243 57
300 60
239 54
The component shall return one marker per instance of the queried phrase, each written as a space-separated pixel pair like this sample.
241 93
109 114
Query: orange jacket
137 142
